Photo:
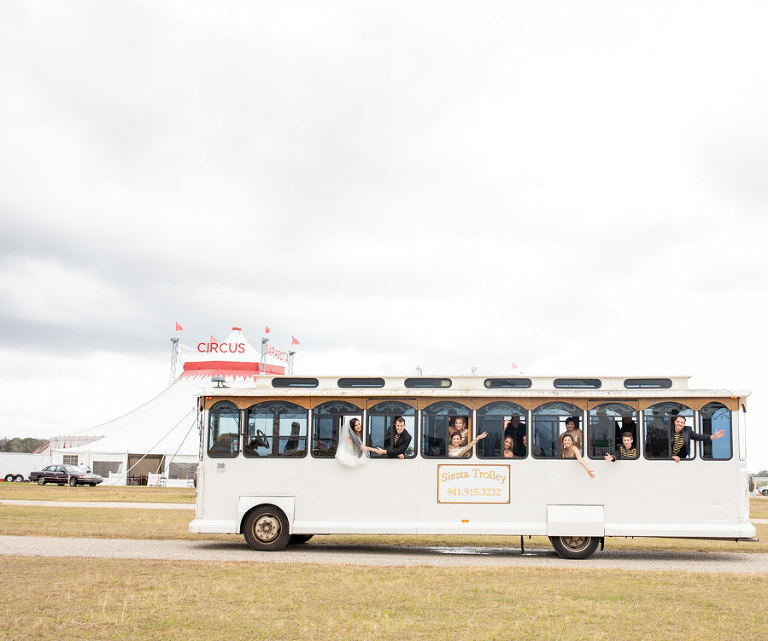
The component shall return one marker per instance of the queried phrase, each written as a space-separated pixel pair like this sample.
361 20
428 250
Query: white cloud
396 184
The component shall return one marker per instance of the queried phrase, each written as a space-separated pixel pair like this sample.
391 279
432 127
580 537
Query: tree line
22 445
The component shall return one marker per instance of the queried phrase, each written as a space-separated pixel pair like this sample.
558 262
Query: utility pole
264 341
174 360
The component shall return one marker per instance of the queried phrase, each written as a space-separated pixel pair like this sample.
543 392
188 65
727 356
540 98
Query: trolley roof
619 387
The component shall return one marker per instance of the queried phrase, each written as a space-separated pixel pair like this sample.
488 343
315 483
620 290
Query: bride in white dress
350 450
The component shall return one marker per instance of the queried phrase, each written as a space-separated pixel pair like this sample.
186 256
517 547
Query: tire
575 547
9 478
18 478
40 480
72 482
266 528
298 539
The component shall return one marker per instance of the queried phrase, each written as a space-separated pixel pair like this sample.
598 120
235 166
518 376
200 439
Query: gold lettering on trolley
473 484
488 475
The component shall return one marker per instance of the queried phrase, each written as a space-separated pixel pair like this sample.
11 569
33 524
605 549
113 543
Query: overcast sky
578 188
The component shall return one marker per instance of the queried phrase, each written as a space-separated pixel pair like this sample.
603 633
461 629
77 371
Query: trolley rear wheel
575 547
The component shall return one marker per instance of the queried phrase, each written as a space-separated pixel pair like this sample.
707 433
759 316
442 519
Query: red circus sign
221 348
277 353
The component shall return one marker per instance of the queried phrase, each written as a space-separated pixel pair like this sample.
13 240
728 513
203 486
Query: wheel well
258 507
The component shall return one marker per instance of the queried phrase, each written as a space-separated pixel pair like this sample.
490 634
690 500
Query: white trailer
15 466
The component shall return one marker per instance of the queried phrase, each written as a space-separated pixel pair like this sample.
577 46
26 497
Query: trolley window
276 428
441 424
509 383
715 417
506 424
427 382
327 419
360 382
609 424
648 383
223 430
578 383
659 436
381 426
550 422
295 382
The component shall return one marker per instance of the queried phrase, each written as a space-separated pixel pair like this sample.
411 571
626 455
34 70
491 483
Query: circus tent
159 441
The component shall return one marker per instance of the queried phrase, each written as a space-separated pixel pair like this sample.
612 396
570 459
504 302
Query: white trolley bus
268 468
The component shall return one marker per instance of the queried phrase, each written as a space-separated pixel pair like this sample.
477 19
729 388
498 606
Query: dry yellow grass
758 507
34 492
94 600
24 520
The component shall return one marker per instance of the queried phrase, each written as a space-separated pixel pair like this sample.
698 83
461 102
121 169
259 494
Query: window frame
357 412
588 437
371 413
690 421
466 413
512 407
577 413
729 432
210 444
275 438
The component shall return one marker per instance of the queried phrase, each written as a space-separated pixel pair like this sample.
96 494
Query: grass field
758 507
34 492
94 600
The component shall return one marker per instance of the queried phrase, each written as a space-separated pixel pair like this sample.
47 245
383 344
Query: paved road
382 556
363 555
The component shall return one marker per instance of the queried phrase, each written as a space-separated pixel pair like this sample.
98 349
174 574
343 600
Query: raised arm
707 437
466 448
582 462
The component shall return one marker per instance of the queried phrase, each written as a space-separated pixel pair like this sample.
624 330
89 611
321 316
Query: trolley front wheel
266 528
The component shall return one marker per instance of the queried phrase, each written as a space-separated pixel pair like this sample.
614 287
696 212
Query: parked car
63 474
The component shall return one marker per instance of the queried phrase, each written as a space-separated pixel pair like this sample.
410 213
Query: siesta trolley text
268 466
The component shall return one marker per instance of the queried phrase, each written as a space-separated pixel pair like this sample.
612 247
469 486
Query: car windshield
73 469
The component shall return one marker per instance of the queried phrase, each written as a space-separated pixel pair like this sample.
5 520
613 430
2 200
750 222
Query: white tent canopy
160 438
160 432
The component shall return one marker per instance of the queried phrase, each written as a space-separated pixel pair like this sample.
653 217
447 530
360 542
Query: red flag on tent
213 339
294 340
266 330
179 328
